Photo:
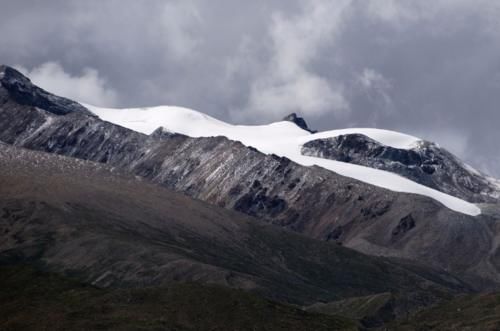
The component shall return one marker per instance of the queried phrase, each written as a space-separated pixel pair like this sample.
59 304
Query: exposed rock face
426 164
300 121
310 200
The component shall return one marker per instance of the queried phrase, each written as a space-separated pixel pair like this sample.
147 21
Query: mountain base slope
32 300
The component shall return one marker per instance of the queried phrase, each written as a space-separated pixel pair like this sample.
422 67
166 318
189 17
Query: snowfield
283 139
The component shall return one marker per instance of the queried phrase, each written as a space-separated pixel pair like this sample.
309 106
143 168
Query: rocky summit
300 121
20 89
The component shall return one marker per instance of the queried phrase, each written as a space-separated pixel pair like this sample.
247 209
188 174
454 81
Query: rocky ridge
426 163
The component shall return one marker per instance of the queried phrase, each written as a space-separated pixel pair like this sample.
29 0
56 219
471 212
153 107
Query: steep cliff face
310 200
426 163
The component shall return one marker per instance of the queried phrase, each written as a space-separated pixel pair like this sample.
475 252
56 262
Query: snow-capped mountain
383 163
304 196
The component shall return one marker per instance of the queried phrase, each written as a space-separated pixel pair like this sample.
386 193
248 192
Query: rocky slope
310 200
426 163
110 229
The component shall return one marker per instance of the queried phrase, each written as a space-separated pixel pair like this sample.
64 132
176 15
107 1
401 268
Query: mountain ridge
287 140
228 174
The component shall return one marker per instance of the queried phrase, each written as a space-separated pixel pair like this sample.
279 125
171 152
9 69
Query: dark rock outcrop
405 224
299 121
426 164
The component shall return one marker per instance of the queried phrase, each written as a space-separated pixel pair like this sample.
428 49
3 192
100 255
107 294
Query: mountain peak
8 75
299 121
23 91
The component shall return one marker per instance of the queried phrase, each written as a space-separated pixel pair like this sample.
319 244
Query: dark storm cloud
427 68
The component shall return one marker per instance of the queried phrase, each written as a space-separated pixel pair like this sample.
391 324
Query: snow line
283 139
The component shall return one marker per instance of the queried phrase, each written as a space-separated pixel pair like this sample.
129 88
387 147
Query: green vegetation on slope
371 311
32 300
467 312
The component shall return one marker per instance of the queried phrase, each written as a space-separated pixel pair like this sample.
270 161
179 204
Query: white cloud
377 88
370 78
305 93
88 87
394 11
178 20
454 141
288 83
440 14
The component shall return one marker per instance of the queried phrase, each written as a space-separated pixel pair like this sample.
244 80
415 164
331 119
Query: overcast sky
428 68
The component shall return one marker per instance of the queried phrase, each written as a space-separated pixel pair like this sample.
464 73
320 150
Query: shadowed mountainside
86 220
33 300
467 312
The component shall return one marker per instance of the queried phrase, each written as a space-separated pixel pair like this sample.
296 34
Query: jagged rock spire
299 121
